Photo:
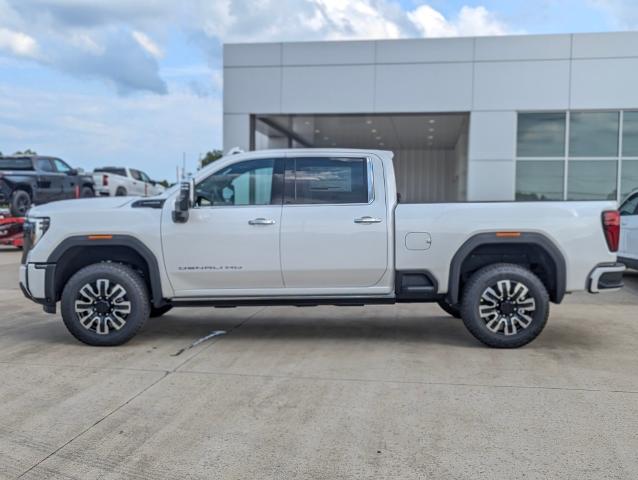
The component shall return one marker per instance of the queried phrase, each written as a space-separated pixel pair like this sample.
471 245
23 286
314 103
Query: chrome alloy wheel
507 307
102 306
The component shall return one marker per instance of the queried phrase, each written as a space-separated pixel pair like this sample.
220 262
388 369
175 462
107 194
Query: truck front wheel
105 304
505 305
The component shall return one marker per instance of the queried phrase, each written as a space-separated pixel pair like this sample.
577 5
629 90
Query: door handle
261 221
367 220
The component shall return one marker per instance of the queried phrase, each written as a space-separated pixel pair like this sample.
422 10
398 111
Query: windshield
12 163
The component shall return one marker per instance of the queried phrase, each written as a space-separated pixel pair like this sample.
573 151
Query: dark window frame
290 180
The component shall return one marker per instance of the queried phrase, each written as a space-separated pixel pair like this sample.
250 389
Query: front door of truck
629 228
230 243
69 179
334 228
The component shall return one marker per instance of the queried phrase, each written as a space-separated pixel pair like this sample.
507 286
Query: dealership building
547 117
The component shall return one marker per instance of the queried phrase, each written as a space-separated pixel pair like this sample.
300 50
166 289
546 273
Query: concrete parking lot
378 392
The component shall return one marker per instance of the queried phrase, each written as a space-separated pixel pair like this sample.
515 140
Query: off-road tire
120 192
474 295
136 294
19 203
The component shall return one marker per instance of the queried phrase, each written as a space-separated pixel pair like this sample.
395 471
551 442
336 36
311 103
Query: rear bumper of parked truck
606 278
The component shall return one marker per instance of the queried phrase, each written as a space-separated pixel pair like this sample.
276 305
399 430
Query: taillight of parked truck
611 227
105 180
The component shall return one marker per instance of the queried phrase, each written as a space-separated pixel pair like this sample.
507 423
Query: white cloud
89 37
147 44
18 43
471 21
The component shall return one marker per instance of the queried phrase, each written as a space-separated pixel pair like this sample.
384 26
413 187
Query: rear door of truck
334 229
50 182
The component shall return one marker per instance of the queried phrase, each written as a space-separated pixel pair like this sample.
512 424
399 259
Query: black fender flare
488 238
105 241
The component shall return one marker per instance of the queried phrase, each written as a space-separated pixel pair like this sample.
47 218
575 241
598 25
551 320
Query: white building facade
549 117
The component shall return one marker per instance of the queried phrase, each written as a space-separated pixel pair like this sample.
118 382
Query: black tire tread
474 284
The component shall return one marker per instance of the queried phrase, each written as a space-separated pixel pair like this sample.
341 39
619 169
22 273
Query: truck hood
80 205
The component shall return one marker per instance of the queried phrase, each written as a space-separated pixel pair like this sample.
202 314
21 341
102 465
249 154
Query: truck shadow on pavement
430 330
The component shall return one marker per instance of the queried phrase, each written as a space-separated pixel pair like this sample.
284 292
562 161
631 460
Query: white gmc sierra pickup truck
310 227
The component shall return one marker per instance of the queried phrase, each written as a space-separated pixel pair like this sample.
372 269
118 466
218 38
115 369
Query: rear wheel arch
532 250
75 253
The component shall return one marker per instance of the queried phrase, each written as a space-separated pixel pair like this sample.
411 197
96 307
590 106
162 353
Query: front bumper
35 283
606 278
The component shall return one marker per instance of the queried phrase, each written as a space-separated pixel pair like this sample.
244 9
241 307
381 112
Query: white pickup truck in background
628 251
310 227
123 182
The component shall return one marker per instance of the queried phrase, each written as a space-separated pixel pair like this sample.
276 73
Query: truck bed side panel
575 228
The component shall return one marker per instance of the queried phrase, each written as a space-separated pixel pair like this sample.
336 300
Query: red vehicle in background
11 229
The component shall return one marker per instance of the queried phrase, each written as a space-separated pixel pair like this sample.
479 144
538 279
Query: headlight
34 230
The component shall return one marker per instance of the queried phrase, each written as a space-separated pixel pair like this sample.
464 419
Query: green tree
28 151
165 184
210 157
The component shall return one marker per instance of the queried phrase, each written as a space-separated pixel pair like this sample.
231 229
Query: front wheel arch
77 252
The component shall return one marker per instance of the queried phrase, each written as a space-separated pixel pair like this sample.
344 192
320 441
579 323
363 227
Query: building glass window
592 180
630 134
593 134
629 178
541 135
539 180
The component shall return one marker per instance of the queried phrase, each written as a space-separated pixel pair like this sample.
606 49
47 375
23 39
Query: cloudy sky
139 83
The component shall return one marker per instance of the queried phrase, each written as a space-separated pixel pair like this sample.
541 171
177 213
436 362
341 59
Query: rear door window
136 175
328 180
44 164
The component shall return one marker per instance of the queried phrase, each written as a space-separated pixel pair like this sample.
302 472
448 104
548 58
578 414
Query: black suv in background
27 180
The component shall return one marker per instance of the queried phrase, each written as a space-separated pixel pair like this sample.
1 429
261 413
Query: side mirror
183 202
72 172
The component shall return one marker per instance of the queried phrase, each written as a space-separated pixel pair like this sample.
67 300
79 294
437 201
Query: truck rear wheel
87 192
505 305
120 192
105 304
19 203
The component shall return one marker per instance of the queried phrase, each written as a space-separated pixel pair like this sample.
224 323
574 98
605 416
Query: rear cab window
112 170
12 163
328 180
